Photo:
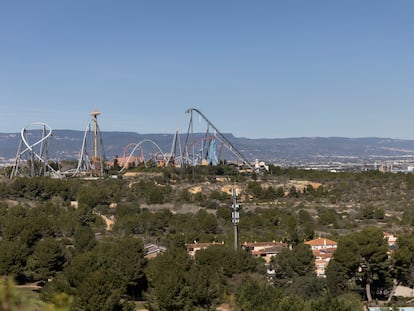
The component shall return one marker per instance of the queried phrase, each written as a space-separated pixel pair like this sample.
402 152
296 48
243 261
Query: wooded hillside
85 239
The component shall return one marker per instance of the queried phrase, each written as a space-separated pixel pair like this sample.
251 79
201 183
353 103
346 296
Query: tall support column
97 160
95 115
235 218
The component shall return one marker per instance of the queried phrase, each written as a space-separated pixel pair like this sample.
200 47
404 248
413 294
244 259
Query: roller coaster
207 152
200 148
32 158
157 156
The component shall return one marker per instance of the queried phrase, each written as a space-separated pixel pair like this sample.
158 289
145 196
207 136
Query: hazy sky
255 68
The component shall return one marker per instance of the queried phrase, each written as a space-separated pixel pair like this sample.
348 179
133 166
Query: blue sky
257 69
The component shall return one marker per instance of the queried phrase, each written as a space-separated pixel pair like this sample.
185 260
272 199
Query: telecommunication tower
235 217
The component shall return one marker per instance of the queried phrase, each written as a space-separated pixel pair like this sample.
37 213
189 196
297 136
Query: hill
66 144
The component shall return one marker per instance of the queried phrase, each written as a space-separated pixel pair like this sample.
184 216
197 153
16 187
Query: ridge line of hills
66 144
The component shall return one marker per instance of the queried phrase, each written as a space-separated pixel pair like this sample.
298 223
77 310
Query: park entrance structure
32 158
92 157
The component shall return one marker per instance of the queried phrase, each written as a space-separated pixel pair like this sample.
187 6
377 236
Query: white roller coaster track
84 162
36 151
138 145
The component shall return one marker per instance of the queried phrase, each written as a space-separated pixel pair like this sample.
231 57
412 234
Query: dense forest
82 241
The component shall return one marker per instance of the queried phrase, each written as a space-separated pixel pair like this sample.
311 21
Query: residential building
265 250
322 250
152 250
192 248
391 239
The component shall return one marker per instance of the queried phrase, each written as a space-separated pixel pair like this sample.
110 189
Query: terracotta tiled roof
321 242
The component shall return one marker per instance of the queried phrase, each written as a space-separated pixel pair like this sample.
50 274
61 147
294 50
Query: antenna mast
235 217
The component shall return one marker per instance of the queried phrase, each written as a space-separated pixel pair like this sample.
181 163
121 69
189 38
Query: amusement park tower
96 161
91 161
95 115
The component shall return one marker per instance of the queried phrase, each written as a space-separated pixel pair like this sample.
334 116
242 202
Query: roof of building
263 244
390 237
325 250
269 250
153 248
321 242
202 245
322 255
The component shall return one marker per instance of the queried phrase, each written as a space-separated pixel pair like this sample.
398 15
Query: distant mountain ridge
66 144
